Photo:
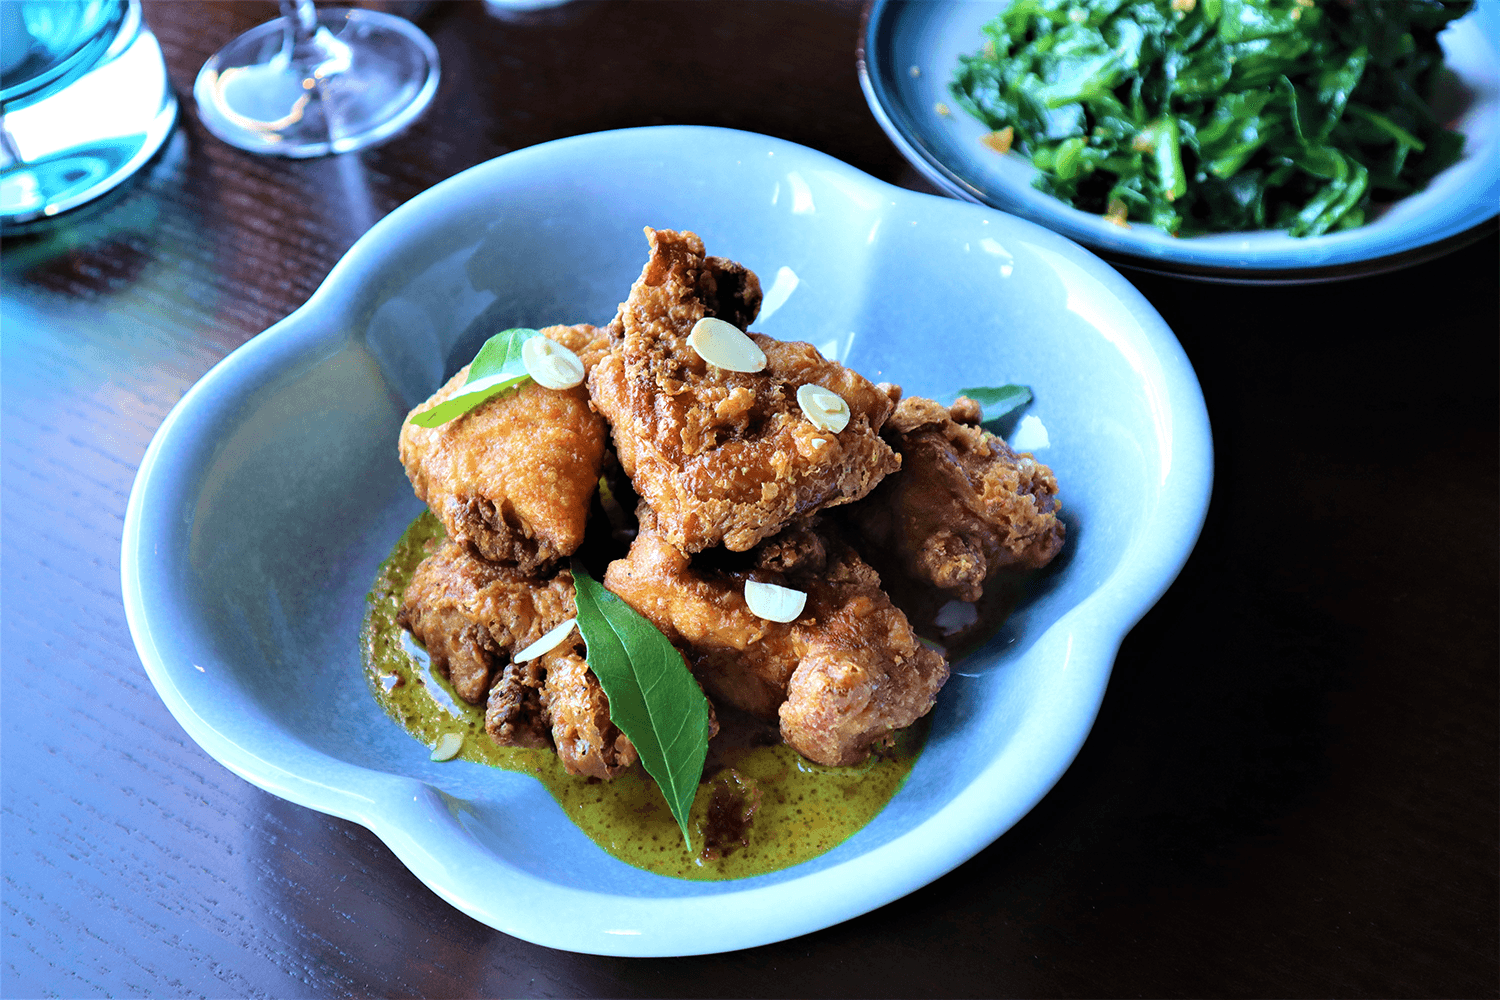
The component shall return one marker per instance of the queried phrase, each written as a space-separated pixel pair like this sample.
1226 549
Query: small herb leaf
497 367
653 697
996 401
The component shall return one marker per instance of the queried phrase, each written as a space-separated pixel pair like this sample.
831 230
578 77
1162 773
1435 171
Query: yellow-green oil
805 809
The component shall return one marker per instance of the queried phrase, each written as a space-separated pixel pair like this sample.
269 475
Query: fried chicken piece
587 742
514 715
513 477
964 505
473 615
841 678
738 658
722 456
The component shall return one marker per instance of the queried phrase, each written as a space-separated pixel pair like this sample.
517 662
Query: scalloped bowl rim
403 811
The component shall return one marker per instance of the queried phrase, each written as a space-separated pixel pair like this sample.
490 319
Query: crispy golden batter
716 458
473 615
737 657
586 741
513 477
842 677
964 505
720 456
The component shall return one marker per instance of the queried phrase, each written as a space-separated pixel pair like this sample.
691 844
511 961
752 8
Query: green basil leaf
497 367
653 698
501 354
996 402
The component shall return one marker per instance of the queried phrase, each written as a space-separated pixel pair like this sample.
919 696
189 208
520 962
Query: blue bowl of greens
1241 140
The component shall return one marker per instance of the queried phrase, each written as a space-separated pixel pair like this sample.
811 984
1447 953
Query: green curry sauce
805 809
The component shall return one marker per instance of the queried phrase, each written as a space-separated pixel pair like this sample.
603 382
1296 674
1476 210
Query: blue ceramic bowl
909 51
272 492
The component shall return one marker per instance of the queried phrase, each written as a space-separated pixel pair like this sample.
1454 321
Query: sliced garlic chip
825 409
546 643
773 603
551 364
724 345
448 746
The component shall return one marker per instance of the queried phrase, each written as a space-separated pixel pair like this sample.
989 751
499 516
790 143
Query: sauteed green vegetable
1217 115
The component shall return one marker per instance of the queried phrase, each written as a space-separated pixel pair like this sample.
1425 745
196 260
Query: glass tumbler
84 103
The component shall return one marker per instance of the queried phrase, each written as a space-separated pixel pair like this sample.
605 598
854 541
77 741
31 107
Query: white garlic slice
824 408
726 346
546 643
773 603
447 747
551 364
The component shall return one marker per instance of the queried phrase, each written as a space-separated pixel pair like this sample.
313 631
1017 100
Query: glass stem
302 17
311 48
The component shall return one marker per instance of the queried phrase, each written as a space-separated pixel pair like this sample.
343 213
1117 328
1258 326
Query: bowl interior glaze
272 492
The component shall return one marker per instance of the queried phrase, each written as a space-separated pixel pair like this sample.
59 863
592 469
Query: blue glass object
84 103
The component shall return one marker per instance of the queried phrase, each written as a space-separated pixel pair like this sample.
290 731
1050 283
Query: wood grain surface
1291 789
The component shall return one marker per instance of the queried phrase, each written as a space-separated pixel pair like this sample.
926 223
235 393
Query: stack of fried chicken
735 483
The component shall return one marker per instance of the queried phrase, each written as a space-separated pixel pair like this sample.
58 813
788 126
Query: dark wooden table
1291 789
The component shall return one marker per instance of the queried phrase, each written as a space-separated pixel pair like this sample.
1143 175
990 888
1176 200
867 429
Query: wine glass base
251 95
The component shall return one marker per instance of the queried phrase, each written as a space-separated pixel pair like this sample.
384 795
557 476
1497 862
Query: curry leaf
653 698
497 367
